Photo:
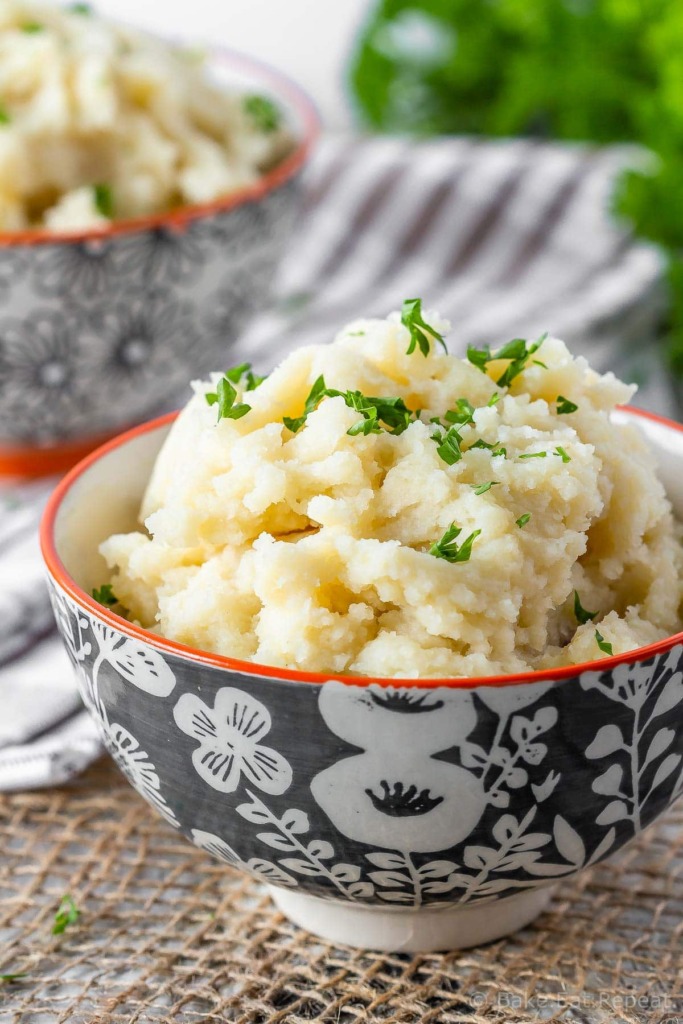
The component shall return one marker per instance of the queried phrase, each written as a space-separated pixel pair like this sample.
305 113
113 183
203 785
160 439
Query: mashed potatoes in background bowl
406 813
146 194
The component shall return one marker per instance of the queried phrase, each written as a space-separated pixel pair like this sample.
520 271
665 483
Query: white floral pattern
135 764
229 746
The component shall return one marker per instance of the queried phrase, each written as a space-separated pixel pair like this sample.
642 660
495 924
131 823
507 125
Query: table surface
166 934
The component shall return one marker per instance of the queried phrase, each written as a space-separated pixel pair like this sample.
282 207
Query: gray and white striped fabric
506 239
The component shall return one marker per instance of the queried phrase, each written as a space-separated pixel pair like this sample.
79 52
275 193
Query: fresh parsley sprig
103 198
378 412
518 352
604 645
523 520
224 397
534 455
483 488
561 453
447 548
500 450
564 406
421 333
582 616
252 380
8 979
67 914
462 413
448 445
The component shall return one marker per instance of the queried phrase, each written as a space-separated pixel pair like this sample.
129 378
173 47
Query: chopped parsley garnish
534 455
104 200
67 914
448 445
483 488
252 380
421 333
9 978
494 399
582 616
562 454
265 115
105 595
80 9
564 406
447 549
481 443
523 520
463 413
537 362
4 116
224 397
355 334
518 351
31 28
603 644
390 411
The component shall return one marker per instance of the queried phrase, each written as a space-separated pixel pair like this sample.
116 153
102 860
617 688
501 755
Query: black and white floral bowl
392 814
98 330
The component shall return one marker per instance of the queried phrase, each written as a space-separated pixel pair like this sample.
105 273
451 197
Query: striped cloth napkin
505 238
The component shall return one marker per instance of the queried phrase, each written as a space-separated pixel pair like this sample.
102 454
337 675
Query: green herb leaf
224 397
252 380
523 520
564 406
603 644
559 451
463 413
31 28
67 914
537 362
481 443
494 399
9 978
447 548
104 200
448 445
582 616
4 117
264 114
375 410
483 488
80 9
315 395
105 595
355 334
534 455
421 333
518 351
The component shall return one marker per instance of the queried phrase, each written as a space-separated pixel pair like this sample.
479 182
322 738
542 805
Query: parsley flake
534 455
561 453
518 352
252 380
375 410
315 395
103 198
85 9
463 413
105 595
421 333
564 406
4 116
31 28
537 362
481 443
582 616
494 399
523 520
7 979
448 445
483 488
224 397
67 914
447 549
264 114
603 644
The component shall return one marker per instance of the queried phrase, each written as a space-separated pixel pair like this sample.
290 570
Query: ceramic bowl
392 814
99 329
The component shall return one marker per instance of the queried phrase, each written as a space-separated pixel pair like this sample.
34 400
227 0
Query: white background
310 40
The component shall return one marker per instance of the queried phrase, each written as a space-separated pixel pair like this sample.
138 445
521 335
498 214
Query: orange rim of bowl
283 88
64 580
33 461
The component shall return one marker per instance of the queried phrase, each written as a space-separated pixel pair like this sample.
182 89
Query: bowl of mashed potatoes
396 632
146 193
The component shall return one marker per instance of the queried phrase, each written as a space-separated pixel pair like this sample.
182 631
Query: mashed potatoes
98 122
331 544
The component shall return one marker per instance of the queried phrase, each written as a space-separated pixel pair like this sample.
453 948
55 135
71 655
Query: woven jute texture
166 934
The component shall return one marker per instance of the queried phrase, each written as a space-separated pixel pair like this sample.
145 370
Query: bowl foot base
414 931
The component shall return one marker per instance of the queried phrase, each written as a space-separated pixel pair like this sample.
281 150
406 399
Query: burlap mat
166 934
